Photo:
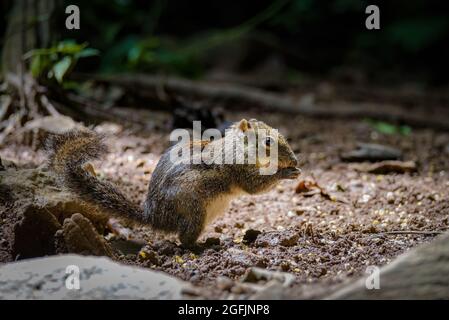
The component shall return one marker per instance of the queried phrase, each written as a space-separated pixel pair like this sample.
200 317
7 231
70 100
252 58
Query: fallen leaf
309 187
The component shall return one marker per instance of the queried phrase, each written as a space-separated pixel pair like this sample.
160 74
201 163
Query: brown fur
67 155
181 197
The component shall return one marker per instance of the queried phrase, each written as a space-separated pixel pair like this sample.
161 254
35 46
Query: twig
11 124
5 107
147 86
48 106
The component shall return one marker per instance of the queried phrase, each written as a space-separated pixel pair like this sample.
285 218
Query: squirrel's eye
269 141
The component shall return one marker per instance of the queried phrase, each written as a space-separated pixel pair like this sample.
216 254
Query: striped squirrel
182 197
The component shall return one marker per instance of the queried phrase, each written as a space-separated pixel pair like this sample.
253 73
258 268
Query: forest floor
323 234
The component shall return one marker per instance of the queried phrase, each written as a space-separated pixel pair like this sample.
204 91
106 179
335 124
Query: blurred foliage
310 36
389 128
56 62
155 53
414 35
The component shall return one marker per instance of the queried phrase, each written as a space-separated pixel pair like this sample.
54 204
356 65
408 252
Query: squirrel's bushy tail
68 153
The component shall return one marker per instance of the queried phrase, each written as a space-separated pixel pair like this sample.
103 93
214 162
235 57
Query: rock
256 275
365 198
212 241
250 236
292 214
267 284
283 238
109 128
372 152
273 291
385 167
76 235
224 283
53 124
390 197
245 259
49 196
42 215
81 237
289 240
99 278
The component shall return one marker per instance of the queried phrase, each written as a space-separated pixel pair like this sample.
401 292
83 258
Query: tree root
24 100
153 87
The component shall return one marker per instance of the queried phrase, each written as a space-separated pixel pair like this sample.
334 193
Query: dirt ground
318 235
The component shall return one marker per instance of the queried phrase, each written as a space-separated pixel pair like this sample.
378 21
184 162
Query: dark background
301 37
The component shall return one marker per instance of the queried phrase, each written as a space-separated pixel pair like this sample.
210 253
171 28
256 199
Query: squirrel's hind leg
190 228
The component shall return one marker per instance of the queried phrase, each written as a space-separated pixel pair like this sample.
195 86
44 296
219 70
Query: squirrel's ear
244 125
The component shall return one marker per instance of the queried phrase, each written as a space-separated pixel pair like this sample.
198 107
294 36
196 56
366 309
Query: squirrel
182 197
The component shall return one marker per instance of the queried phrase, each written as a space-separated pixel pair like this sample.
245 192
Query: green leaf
87 52
405 130
388 128
39 64
70 47
61 68
36 66
385 128
416 34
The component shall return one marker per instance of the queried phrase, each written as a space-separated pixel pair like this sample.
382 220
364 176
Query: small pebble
390 197
250 235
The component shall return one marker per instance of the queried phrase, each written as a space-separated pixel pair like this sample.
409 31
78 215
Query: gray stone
372 152
254 275
100 278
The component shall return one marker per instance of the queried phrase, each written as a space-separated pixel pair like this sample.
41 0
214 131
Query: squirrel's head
274 145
